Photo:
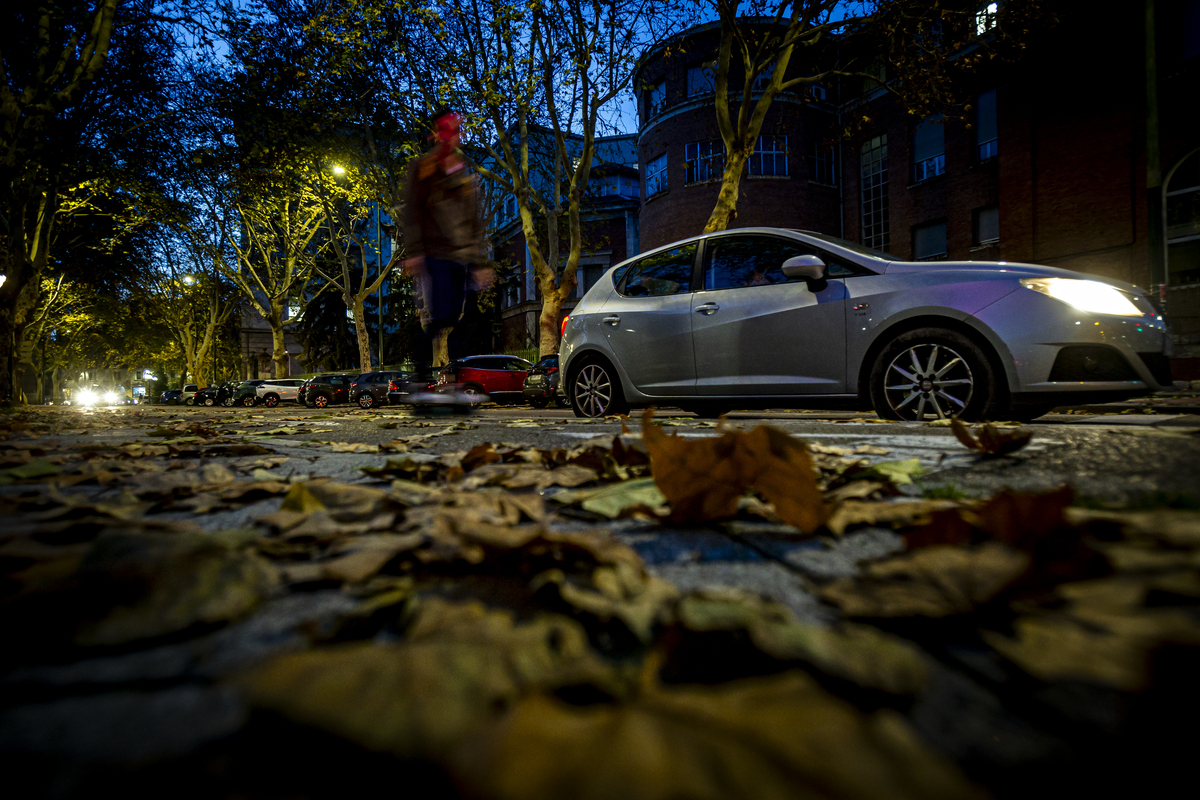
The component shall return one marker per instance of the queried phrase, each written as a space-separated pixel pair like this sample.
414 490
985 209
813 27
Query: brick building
1062 160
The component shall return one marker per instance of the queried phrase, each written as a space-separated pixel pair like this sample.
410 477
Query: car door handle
612 319
708 308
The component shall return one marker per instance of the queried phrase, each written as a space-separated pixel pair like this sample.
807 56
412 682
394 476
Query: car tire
250 401
271 400
596 390
321 401
938 373
208 401
366 400
191 401
473 389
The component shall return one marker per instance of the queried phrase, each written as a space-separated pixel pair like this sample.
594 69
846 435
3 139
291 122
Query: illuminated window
985 18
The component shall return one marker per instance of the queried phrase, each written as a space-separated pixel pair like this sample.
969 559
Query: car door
757 332
514 376
648 323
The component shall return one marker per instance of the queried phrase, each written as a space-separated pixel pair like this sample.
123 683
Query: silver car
767 317
276 390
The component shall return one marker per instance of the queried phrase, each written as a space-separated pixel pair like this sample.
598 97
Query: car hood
1015 269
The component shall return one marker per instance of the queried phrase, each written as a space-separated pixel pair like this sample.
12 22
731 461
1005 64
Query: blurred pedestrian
443 240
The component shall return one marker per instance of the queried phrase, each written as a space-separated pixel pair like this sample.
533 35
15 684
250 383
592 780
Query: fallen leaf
777 737
702 479
930 582
992 441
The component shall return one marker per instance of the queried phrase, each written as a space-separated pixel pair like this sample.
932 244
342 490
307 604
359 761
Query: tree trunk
548 322
725 211
279 354
441 348
355 304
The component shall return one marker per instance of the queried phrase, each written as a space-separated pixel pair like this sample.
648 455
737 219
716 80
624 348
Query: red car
501 378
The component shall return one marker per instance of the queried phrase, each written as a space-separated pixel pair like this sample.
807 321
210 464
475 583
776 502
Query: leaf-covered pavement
187 609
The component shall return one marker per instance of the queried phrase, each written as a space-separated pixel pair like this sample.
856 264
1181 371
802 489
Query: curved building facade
791 180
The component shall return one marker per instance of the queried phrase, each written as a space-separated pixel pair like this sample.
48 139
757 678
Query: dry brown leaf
992 441
458 672
360 557
622 591
769 739
930 582
703 479
898 514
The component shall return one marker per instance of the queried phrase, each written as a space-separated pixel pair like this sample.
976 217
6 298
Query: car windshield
851 246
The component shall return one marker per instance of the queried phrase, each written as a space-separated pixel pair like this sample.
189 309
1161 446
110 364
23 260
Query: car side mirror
810 268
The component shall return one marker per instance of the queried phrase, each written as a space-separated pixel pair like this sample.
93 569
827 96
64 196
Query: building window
821 164
656 176
704 161
816 91
656 98
770 156
985 126
874 171
985 18
700 80
987 225
929 241
929 148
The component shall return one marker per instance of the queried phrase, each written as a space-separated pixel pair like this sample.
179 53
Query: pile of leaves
489 632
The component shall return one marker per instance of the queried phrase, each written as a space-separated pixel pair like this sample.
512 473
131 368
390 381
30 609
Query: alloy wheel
928 379
321 401
593 390
366 401
249 401
208 401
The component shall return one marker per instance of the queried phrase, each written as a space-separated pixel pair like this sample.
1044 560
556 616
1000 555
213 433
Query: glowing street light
189 280
338 169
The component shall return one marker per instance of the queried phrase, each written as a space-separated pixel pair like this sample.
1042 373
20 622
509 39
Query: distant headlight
1093 296
110 397
86 397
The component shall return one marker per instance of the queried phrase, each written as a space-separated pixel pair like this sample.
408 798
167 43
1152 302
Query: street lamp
338 169
189 280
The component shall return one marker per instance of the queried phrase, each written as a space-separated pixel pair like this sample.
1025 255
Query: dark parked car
169 397
372 388
246 393
500 377
216 395
541 385
325 390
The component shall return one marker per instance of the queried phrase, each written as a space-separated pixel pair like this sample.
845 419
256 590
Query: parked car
169 397
322 391
214 395
499 377
246 393
187 393
772 317
399 389
541 385
273 392
372 388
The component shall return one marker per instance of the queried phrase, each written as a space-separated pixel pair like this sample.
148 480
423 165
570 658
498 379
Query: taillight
353 384
562 331
551 370
393 386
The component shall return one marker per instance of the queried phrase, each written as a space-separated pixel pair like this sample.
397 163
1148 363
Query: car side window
735 261
664 273
516 365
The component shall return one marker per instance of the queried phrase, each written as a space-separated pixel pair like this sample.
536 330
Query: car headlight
1093 296
86 397
110 397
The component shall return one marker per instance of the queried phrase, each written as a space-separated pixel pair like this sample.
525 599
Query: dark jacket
441 213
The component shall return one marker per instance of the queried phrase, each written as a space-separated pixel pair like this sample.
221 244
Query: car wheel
208 401
934 373
472 389
271 400
191 401
249 401
366 400
596 391
321 401
227 402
